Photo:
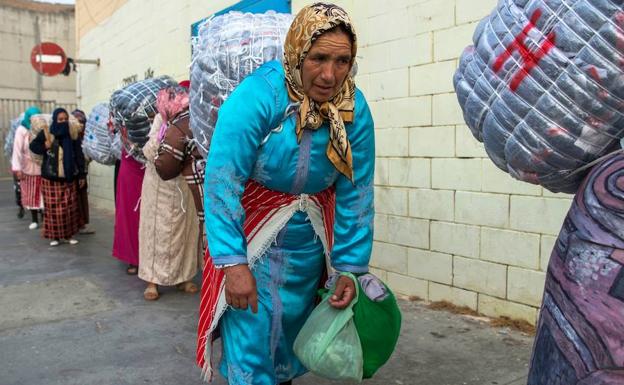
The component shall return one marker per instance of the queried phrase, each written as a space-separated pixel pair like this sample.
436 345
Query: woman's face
326 66
62 117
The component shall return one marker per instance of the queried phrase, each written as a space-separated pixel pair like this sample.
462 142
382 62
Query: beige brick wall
449 224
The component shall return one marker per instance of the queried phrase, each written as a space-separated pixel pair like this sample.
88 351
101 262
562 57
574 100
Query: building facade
24 24
449 225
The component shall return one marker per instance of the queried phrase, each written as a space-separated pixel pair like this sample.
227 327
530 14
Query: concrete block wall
449 224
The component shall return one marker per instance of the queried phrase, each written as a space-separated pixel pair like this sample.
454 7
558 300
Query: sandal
132 270
151 293
188 287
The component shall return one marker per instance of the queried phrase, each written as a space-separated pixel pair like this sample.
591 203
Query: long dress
178 155
23 161
61 219
127 210
168 230
580 335
255 139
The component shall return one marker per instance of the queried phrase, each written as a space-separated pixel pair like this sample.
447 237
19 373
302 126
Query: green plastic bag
378 325
328 343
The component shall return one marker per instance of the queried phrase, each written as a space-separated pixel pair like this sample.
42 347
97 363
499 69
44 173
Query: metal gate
11 109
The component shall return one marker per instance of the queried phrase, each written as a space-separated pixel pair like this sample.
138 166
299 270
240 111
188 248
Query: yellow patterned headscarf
309 24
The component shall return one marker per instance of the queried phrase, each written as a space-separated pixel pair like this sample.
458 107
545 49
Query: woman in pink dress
26 169
127 209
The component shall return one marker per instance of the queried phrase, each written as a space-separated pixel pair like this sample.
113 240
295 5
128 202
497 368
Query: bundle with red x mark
543 87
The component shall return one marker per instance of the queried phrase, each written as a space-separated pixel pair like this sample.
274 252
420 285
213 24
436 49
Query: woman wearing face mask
63 164
289 183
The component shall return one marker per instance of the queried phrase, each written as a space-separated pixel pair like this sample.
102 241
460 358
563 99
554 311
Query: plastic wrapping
98 139
328 343
116 146
170 102
37 123
132 110
9 138
229 48
543 87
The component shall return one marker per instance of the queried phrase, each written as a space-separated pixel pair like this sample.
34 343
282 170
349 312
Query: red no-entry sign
48 59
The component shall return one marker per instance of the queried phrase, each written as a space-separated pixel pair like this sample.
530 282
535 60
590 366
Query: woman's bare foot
188 287
151 292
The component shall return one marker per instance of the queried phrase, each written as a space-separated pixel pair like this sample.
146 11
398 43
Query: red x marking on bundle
530 58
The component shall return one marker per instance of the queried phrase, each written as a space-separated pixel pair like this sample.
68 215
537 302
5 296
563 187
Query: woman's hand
240 288
48 144
344 293
82 183
18 175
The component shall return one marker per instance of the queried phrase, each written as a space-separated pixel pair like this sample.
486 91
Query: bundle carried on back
543 87
9 138
229 48
170 102
98 140
132 111
38 123
116 145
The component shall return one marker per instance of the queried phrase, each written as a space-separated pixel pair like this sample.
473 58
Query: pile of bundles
98 139
543 87
9 139
132 111
229 48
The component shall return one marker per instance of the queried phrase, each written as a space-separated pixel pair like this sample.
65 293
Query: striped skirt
61 218
31 192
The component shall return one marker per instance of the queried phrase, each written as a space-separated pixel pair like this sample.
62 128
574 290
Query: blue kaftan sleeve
355 212
244 120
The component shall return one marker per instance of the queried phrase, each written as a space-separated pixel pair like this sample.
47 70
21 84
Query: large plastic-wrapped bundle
38 123
543 87
9 138
98 139
171 102
229 48
133 108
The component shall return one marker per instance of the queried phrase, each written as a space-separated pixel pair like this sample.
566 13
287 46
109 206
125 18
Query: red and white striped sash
266 213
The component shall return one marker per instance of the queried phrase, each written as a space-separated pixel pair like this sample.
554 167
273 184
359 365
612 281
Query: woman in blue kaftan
256 138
